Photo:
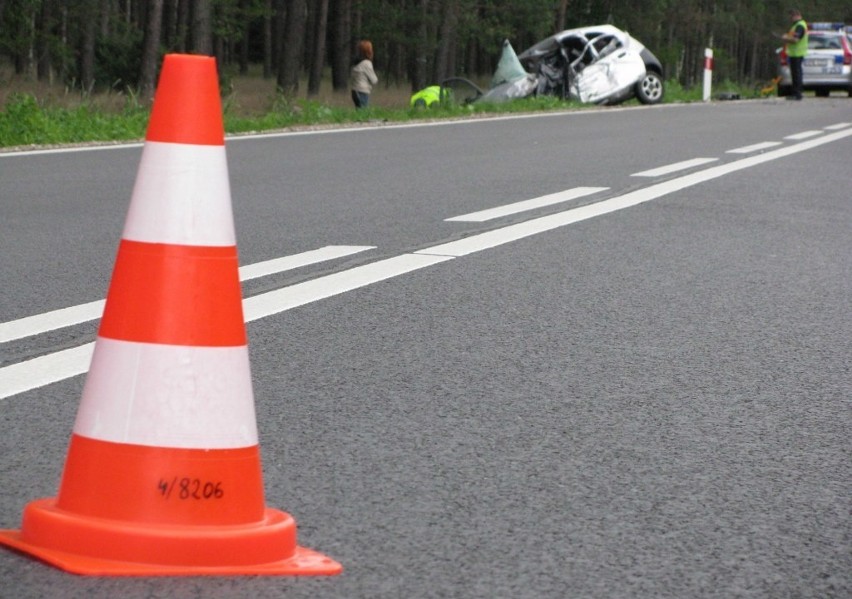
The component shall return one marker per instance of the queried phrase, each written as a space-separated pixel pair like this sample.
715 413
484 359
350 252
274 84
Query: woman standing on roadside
362 77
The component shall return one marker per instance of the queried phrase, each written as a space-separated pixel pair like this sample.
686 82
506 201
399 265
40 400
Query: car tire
649 89
784 90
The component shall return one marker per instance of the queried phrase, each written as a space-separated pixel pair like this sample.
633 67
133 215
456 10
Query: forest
101 44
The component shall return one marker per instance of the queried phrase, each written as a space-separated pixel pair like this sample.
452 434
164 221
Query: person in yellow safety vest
426 97
796 47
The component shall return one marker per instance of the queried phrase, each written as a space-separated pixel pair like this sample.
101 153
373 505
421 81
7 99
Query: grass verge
38 117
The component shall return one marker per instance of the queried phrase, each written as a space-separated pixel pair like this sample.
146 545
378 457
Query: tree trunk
267 39
561 14
243 44
87 47
290 66
44 35
419 69
342 44
318 59
446 41
182 17
151 51
201 28
279 21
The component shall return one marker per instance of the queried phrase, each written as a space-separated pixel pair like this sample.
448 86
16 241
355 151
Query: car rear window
824 42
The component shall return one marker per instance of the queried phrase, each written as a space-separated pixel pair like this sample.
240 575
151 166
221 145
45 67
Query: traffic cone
163 472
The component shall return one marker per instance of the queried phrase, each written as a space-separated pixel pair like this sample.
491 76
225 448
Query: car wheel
822 93
784 90
649 90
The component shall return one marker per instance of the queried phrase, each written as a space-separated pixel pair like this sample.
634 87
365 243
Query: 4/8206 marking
190 488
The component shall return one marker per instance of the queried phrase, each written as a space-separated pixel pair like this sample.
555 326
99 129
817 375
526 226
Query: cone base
98 547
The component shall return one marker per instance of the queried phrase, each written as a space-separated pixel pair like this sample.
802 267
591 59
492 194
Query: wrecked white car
601 65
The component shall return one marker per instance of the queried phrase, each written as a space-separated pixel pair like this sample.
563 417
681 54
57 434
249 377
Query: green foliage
676 93
23 121
17 29
119 59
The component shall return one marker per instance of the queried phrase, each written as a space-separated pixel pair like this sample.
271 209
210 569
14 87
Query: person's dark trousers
360 99
796 75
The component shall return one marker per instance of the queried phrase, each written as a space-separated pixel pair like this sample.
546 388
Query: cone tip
187 108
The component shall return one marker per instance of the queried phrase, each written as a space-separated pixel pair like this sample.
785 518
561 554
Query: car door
609 68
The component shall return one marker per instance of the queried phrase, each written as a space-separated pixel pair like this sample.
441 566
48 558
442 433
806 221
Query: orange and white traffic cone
163 473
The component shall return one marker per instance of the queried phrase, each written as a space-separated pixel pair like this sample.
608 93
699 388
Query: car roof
550 43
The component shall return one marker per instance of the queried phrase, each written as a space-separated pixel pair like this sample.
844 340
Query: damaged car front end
600 65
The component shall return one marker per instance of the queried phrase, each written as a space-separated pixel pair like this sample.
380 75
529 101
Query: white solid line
672 168
286 298
49 321
66 317
334 129
803 135
754 148
490 239
837 126
118 146
52 368
55 367
540 202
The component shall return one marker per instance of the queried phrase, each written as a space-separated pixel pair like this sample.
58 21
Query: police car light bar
825 26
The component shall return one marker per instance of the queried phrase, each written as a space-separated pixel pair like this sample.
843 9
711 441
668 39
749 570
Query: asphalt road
640 391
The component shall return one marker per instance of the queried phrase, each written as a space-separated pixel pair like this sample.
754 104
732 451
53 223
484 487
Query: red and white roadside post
708 73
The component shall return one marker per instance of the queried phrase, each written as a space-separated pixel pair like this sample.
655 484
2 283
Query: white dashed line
803 135
66 317
673 168
548 200
755 148
57 366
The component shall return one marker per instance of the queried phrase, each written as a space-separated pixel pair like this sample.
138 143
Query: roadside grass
38 114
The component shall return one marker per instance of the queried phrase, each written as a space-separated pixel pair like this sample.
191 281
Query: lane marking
286 298
57 366
672 168
50 368
540 202
338 128
452 122
754 148
490 239
50 321
66 317
803 135
276 265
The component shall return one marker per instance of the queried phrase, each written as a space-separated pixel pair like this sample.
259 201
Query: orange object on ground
163 473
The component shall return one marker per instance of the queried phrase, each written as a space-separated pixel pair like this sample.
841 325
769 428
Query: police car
827 66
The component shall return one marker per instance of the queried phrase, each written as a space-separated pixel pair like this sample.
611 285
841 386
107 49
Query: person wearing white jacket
362 77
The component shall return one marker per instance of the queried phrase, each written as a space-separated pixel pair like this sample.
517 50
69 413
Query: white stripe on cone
182 196
168 396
